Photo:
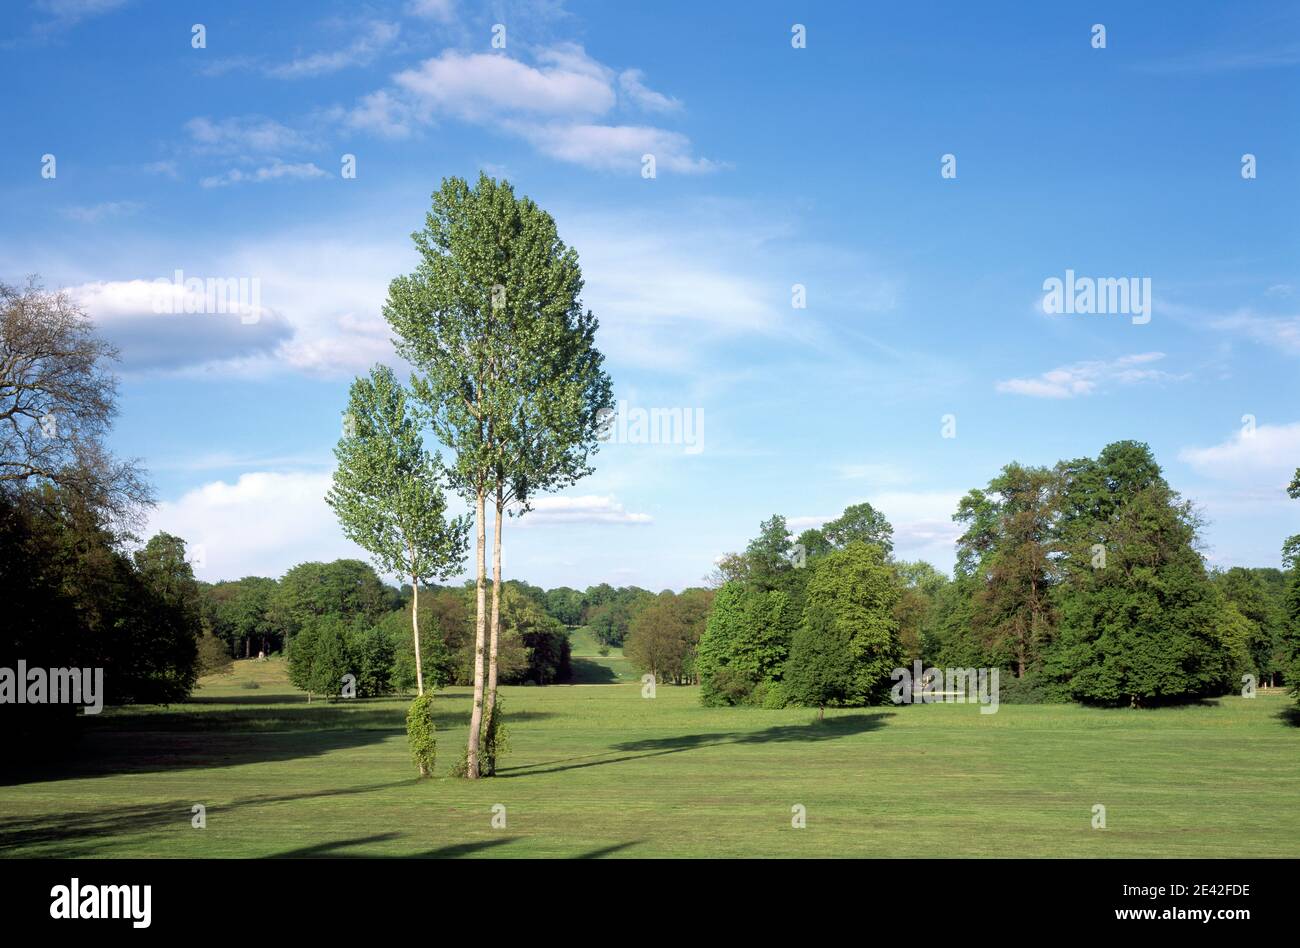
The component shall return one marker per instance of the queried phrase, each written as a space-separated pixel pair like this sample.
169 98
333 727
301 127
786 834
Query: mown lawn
597 770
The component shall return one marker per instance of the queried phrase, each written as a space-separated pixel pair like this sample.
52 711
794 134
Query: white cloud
381 113
557 103
271 172
1267 456
589 509
1086 378
127 312
375 37
261 524
614 147
483 86
630 81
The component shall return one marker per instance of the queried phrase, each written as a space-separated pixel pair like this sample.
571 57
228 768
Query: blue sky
775 166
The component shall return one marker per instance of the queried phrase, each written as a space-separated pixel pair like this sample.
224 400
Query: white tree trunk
496 613
476 716
415 629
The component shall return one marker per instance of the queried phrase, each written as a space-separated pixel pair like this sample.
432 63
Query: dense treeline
1081 581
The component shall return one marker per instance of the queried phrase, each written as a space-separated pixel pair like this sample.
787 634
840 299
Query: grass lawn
597 770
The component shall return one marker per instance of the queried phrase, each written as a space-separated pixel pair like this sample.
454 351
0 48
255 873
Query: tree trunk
476 716
415 630
496 624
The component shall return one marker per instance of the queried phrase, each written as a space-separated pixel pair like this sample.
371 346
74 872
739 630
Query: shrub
421 734
496 740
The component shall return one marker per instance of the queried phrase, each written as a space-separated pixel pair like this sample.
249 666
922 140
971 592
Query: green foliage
213 656
421 734
73 597
666 632
847 644
544 642
1147 627
370 656
565 605
318 656
863 523
496 740
745 642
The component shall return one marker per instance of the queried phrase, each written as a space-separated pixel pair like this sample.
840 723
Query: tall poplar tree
387 492
506 365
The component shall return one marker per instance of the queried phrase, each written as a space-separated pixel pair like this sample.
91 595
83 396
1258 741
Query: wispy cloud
375 37
271 172
631 84
94 213
242 135
1279 332
1087 378
589 509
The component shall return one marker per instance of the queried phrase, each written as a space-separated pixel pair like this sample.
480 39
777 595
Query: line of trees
1083 581
77 588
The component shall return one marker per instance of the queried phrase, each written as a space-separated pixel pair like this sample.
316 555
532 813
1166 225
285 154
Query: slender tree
387 492
506 365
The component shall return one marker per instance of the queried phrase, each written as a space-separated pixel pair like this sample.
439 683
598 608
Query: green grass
601 771
592 668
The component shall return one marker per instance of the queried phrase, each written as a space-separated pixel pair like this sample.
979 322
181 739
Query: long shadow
335 849
827 730
90 829
588 672
1290 716
146 740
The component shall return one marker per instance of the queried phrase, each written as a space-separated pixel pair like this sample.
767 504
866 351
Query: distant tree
921 585
847 644
1262 607
370 657
860 522
1008 546
57 403
1290 644
213 656
319 657
744 645
387 493
346 589
565 605
769 556
1147 626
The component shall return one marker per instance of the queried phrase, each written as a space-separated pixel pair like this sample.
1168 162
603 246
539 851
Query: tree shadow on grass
829 729
147 740
1290 716
337 849
84 833
584 671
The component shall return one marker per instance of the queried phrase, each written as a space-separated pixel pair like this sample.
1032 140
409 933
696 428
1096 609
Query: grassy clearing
600 771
